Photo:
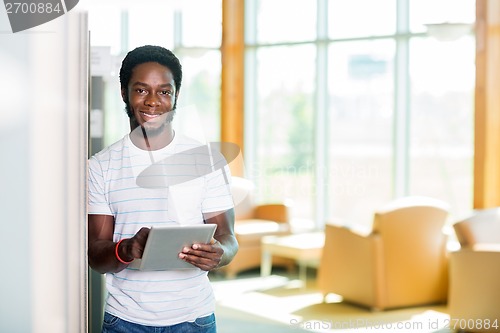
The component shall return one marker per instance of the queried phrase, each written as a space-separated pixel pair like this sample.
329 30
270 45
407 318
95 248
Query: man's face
152 96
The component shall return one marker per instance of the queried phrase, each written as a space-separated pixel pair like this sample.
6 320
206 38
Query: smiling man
121 210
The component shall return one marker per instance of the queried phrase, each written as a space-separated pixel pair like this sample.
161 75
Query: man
122 208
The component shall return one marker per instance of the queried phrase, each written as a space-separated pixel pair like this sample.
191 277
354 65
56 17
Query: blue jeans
113 324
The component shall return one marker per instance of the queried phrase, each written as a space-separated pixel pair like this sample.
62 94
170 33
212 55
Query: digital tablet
165 243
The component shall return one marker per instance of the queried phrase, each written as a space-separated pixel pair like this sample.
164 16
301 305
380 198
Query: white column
47 96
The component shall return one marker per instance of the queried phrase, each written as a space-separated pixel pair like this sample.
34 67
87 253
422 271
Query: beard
156 129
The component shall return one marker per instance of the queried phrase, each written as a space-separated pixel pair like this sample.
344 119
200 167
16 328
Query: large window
441 121
285 125
352 103
359 137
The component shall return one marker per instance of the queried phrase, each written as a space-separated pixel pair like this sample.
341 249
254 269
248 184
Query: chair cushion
252 230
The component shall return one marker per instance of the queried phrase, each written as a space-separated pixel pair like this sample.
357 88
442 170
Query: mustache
169 117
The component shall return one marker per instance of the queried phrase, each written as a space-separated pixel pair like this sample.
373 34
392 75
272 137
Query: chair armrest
352 254
352 245
274 212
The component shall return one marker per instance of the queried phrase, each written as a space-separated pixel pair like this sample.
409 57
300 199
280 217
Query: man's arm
219 253
101 248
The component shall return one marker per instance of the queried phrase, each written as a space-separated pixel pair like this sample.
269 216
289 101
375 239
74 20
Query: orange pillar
487 105
232 81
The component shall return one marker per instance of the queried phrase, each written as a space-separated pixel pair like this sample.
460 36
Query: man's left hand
204 256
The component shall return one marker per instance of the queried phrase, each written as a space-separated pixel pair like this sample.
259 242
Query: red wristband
118 256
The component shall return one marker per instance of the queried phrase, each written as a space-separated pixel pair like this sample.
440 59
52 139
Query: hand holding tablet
165 243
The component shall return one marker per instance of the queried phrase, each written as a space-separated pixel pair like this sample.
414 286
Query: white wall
43 153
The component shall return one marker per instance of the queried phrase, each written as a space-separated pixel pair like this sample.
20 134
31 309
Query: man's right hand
132 248
102 250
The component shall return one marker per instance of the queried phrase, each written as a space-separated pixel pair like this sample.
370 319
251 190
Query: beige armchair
252 222
400 262
474 297
481 227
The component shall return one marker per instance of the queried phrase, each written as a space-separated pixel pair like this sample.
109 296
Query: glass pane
284 127
439 11
201 23
356 18
198 109
361 97
105 27
442 102
155 27
116 121
285 21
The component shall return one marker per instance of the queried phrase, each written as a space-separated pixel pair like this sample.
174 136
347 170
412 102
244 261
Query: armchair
252 222
474 300
400 262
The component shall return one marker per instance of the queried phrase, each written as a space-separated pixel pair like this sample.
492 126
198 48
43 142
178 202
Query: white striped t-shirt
173 185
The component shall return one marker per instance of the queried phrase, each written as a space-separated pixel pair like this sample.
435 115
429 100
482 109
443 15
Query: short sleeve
97 202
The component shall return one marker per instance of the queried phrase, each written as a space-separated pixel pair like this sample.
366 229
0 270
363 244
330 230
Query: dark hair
148 53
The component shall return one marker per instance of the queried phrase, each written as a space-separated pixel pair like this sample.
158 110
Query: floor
282 303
